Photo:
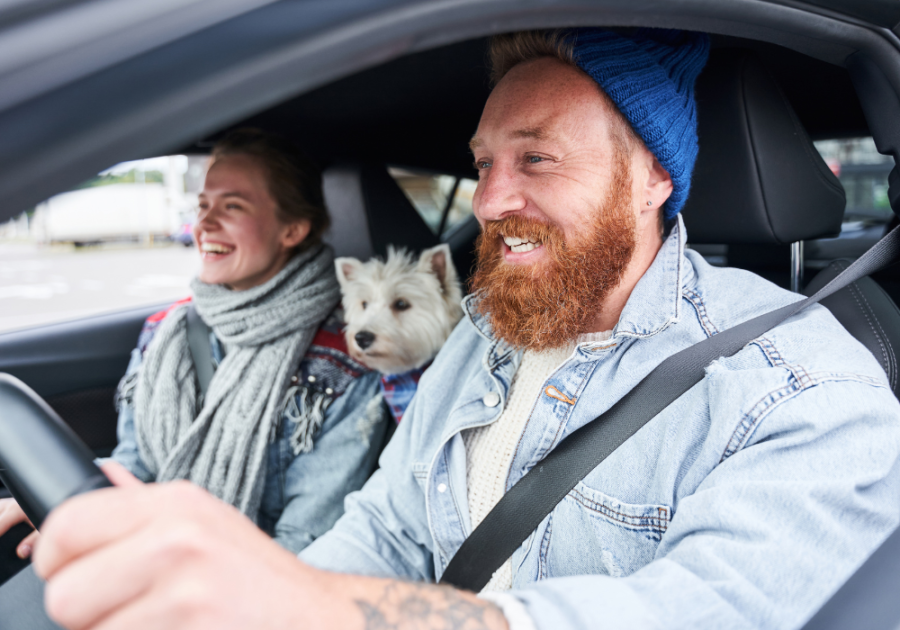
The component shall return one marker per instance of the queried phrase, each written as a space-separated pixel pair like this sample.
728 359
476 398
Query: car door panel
75 366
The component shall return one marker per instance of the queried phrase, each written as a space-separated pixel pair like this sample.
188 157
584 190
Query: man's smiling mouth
520 245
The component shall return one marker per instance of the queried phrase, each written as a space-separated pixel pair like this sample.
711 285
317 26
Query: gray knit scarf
220 442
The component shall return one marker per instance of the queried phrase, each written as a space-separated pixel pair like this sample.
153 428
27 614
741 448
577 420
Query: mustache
525 228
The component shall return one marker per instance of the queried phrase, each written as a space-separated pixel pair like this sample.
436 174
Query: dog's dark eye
400 305
364 305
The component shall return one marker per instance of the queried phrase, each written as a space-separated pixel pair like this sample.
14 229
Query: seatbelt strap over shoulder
529 501
200 347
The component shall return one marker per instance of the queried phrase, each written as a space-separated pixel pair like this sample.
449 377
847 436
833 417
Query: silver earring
649 203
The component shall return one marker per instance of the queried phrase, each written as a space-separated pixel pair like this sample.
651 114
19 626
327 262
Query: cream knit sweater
490 449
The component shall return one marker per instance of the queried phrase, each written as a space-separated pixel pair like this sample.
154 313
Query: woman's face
241 240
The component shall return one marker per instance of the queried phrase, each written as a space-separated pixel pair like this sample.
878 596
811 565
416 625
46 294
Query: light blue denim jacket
744 504
304 494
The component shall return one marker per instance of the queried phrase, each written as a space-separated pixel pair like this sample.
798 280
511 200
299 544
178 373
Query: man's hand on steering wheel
173 556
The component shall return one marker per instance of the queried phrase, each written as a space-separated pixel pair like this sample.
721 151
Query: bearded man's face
548 303
555 203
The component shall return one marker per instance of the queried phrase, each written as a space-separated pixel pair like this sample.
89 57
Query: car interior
760 191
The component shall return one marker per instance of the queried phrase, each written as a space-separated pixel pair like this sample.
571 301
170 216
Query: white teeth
519 245
215 248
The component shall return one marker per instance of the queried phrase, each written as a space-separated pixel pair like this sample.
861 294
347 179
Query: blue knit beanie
649 74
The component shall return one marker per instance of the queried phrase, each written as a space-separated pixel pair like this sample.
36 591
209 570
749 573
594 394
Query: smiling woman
262 202
242 241
282 379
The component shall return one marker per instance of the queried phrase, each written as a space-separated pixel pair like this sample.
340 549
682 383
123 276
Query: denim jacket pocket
597 534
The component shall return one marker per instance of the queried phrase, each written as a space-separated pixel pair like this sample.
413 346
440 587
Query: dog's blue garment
398 389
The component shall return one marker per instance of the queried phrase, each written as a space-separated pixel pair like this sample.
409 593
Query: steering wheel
42 463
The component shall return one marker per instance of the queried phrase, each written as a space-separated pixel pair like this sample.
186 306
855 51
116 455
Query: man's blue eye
534 159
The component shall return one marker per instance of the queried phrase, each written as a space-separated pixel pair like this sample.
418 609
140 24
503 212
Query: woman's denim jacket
304 494
744 504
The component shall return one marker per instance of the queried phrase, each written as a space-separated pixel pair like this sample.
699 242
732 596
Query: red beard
548 304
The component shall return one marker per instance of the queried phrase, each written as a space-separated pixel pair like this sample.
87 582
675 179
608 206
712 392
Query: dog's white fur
374 296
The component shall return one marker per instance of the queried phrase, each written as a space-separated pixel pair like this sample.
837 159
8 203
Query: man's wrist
517 616
381 604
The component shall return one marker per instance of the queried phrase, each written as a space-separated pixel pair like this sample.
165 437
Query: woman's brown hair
295 182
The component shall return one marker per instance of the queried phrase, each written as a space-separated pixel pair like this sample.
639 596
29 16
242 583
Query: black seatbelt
529 501
201 350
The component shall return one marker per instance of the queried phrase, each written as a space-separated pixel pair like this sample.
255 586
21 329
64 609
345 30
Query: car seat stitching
856 293
889 355
893 378
892 357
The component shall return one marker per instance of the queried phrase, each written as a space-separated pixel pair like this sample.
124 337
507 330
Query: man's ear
346 270
295 233
658 187
437 260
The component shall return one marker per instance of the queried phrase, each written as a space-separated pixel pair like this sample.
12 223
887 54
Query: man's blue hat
649 74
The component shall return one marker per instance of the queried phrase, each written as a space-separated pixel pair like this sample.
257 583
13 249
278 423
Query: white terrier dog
399 313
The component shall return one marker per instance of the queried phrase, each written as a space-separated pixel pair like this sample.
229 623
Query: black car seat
868 312
369 211
760 181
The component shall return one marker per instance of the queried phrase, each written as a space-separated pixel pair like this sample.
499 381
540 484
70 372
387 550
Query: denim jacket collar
654 304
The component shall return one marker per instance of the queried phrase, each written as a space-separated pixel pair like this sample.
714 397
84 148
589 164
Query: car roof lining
422 108
67 135
885 13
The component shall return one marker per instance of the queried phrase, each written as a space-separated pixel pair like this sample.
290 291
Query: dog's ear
346 269
437 260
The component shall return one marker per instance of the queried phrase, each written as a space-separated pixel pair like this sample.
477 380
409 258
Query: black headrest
369 211
758 177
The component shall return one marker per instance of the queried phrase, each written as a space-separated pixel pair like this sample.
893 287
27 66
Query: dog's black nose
364 339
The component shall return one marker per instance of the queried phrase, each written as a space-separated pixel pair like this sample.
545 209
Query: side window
863 172
120 240
443 201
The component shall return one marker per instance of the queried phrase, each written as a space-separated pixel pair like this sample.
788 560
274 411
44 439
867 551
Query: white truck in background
108 213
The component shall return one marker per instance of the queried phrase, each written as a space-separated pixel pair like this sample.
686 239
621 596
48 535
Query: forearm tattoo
405 606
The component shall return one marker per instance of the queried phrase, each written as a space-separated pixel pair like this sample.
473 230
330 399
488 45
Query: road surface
44 284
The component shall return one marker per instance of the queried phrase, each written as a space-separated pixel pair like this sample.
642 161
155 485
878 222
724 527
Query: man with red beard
744 504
